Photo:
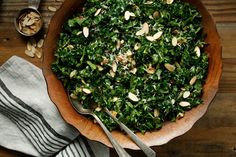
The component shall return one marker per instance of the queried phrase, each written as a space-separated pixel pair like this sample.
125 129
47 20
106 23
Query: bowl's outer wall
92 131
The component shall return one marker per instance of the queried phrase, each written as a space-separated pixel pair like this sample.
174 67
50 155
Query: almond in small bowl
28 22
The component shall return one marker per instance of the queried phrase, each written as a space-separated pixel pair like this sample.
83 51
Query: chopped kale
143 60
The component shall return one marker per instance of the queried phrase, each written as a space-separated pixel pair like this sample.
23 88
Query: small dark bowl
25 10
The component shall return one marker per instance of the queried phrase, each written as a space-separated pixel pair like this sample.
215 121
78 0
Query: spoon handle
120 151
147 150
33 4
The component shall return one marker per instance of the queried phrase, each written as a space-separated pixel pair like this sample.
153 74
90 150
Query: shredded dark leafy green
143 60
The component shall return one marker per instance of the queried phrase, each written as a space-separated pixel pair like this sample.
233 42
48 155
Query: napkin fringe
78 148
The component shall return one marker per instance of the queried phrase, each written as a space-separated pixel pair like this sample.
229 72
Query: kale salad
142 59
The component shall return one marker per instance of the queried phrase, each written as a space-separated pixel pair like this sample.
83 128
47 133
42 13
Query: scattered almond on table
34 48
51 8
40 43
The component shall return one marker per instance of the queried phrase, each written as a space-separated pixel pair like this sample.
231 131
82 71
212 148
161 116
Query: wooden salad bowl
93 131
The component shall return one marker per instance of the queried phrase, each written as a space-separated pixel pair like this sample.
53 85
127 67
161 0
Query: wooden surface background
214 135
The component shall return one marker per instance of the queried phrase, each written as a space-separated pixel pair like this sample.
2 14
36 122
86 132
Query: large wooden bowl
92 131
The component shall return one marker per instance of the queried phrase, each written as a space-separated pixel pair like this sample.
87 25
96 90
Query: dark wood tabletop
214 135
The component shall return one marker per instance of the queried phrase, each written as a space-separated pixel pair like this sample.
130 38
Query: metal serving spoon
147 150
78 107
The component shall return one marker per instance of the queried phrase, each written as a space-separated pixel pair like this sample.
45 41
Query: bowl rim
184 124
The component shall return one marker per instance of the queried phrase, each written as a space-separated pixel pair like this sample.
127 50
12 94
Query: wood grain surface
214 135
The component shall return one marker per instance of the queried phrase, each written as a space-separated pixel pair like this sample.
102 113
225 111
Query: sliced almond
172 101
73 73
127 15
186 94
25 21
197 51
114 66
26 30
184 104
150 38
29 46
34 14
30 22
82 80
151 70
38 53
133 62
29 53
100 68
169 67
145 28
137 46
174 41
148 2
51 8
169 1
86 32
98 109
180 115
20 27
33 50
140 32
131 14
112 73
118 44
157 35
73 96
193 80
33 27
115 99
133 71
97 12
133 97
128 53
40 43
87 91
70 47
150 17
156 113
79 32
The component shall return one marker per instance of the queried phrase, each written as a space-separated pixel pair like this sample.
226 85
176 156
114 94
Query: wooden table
214 135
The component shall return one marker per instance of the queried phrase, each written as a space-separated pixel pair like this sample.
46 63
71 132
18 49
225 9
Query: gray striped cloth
30 122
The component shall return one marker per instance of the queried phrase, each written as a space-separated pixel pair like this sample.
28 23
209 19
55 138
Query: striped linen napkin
30 122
